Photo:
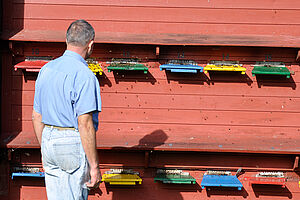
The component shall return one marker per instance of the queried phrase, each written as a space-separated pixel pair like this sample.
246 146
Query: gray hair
80 33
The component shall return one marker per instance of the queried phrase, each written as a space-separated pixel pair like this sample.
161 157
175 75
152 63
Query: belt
61 128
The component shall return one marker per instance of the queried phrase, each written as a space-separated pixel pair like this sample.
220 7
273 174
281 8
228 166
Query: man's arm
88 140
38 125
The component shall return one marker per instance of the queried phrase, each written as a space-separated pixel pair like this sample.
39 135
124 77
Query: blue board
221 181
24 174
182 68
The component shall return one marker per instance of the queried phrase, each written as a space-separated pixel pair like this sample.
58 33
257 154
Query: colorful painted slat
181 68
121 179
24 174
224 66
96 68
31 65
271 70
267 178
127 67
175 178
220 179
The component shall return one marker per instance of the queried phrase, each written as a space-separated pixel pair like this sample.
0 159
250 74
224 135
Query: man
67 96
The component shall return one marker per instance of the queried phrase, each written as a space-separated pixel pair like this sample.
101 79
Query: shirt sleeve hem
88 111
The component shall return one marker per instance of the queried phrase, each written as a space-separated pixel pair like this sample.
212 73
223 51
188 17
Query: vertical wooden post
147 157
157 51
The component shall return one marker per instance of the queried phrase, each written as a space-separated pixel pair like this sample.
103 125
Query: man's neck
80 50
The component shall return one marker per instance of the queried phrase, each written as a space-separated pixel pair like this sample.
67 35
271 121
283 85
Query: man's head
81 34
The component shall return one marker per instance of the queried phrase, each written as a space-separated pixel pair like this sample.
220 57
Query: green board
175 178
269 70
134 67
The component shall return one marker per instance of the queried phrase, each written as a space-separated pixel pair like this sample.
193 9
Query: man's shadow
146 189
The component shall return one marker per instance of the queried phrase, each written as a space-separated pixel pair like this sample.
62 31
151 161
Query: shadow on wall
13 18
275 81
154 139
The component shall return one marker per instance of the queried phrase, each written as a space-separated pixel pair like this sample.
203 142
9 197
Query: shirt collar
75 55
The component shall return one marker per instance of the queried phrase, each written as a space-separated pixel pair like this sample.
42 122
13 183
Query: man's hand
95 178
88 139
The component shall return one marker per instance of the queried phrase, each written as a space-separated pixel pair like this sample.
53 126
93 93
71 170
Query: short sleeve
88 97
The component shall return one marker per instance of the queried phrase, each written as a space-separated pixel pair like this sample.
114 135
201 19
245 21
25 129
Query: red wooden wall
195 122
178 119
205 22
219 111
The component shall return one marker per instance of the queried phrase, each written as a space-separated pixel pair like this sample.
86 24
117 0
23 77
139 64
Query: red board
230 23
213 121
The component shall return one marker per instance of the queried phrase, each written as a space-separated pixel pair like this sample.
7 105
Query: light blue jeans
65 164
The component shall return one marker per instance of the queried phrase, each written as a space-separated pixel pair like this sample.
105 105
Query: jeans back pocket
67 156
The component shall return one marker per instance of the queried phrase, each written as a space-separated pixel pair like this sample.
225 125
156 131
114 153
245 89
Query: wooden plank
182 102
220 23
255 4
169 116
195 116
197 87
165 34
212 138
204 31
192 91
146 14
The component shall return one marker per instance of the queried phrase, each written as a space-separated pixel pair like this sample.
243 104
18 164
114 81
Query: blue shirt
65 89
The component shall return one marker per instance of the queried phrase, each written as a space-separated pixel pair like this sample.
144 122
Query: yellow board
213 67
121 179
96 68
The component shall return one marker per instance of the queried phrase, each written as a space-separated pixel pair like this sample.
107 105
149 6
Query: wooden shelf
231 66
121 177
96 69
128 67
211 180
175 178
271 68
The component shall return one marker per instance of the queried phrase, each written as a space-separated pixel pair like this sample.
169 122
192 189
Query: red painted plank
146 14
153 27
180 102
166 34
204 31
31 65
255 4
197 87
218 138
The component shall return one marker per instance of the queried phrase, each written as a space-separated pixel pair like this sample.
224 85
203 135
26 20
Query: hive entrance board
94 66
270 178
33 63
220 179
271 68
174 176
126 65
27 172
121 177
183 66
230 66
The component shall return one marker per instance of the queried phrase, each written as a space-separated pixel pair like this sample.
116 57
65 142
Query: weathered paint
205 22
156 120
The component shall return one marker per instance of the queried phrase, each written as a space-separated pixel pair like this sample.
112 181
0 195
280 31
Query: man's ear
91 44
